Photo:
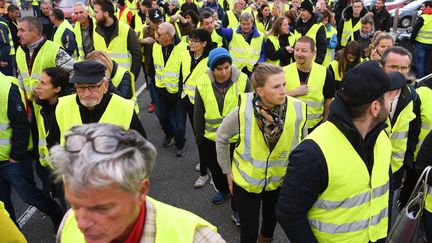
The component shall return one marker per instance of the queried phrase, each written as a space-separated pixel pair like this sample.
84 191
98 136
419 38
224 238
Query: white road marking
26 216
141 89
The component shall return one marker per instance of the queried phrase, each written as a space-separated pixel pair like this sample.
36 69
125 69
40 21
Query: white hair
175 2
127 166
81 4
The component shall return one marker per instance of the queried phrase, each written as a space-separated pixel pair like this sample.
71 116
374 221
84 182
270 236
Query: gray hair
175 2
246 16
132 161
81 4
168 27
47 3
33 23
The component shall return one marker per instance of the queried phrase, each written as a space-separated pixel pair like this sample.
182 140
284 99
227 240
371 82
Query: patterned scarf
270 122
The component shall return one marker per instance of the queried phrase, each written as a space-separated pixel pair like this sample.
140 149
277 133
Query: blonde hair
102 57
262 72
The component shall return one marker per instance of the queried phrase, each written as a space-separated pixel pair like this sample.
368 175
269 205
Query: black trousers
208 148
249 205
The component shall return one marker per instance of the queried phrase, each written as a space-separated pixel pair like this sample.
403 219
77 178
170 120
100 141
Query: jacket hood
313 20
347 13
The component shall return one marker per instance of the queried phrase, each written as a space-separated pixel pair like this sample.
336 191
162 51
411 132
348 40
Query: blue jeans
19 175
151 89
422 52
166 106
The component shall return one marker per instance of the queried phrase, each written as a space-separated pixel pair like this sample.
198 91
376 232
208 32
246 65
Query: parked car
66 7
403 39
406 13
369 4
393 4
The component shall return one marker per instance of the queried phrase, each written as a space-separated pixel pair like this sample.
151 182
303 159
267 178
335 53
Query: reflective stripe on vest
399 134
45 58
172 225
117 48
425 95
314 98
190 79
425 33
213 118
58 35
348 31
119 111
11 44
5 129
346 211
167 75
42 134
243 53
255 167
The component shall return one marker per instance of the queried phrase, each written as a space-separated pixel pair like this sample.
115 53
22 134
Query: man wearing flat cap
91 104
336 187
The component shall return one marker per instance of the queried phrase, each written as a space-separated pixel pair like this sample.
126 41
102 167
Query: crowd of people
305 111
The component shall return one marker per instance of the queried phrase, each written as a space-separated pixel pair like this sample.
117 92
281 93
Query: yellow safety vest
167 74
232 19
425 95
118 112
243 53
45 58
314 99
42 144
12 47
217 39
116 80
117 48
79 40
398 135
255 167
425 33
335 66
261 27
312 32
191 79
347 211
5 129
328 57
348 31
275 41
132 5
172 225
139 26
123 18
213 118
9 231
35 3
57 38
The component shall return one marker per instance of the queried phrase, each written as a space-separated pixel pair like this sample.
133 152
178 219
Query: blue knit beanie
217 54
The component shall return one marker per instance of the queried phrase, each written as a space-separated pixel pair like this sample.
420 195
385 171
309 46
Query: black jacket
347 14
320 39
307 174
19 124
13 27
91 116
382 19
124 89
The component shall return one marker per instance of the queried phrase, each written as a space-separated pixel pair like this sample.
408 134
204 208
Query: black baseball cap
155 15
397 80
365 83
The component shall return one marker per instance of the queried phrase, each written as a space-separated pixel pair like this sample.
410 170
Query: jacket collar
255 32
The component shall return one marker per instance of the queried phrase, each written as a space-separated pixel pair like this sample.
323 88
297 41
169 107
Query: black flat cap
88 72
364 83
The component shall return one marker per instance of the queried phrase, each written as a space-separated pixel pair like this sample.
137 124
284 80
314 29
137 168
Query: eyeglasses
91 88
192 40
396 68
101 144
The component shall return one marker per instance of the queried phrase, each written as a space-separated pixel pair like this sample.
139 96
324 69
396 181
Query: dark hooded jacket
347 14
320 39
307 176
382 19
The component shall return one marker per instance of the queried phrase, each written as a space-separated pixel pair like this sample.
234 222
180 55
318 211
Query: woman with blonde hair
279 44
380 42
269 124
121 82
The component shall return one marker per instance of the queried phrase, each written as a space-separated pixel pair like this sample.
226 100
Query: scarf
270 121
